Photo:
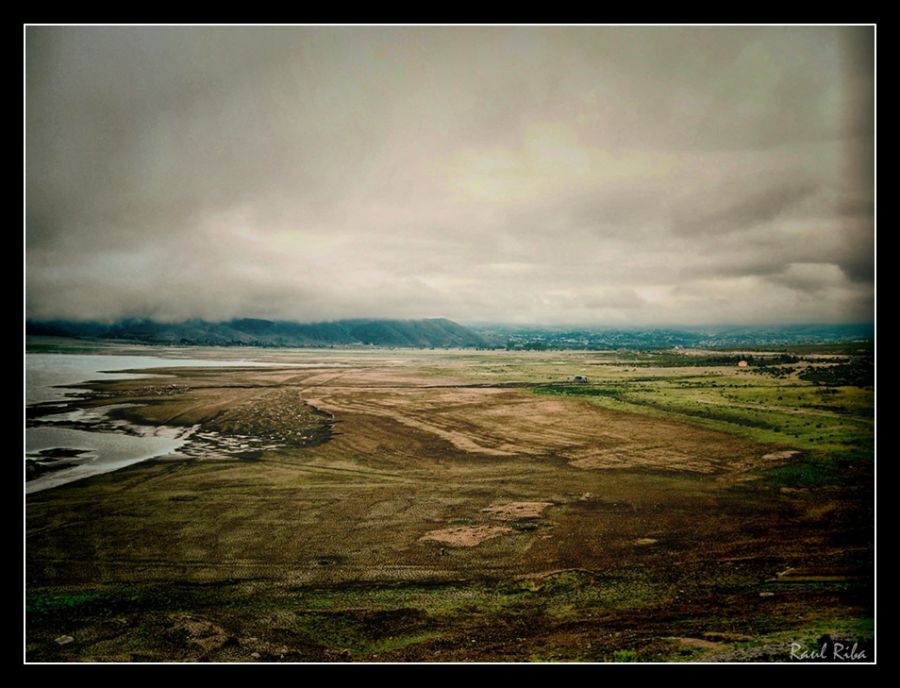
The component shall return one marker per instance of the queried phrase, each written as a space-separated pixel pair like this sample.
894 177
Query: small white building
742 364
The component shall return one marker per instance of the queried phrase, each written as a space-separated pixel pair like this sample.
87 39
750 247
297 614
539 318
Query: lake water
43 372
103 451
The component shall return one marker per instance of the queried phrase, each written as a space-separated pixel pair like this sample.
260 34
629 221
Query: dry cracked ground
403 508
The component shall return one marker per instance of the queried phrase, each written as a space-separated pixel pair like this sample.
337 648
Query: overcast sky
595 176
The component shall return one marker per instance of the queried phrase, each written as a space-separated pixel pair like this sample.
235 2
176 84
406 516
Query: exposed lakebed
65 442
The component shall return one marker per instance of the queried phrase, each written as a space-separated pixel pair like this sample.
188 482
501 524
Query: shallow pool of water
105 451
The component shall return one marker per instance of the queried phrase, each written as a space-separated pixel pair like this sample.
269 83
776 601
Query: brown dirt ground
464 536
516 510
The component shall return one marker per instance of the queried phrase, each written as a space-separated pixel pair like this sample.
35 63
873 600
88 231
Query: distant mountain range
437 332
440 333
710 337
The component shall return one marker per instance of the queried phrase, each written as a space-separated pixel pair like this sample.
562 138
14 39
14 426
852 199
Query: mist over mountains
437 332
441 333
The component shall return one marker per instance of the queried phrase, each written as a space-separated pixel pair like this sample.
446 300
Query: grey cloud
856 206
737 264
859 268
809 277
593 174
771 249
858 257
615 298
737 207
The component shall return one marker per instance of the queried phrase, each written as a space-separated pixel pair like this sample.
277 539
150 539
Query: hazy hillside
440 332
437 332
715 337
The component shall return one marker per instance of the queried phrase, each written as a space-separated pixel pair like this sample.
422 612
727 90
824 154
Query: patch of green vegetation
808 635
397 643
790 413
670 359
111 600
732 415
812 470
365 631
40 603
360 622
840 348
802 397
774 371
804 472
857 373
571 390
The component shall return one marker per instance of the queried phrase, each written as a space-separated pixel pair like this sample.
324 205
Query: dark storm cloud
594 175
737 207
857 260
856 207
808 277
